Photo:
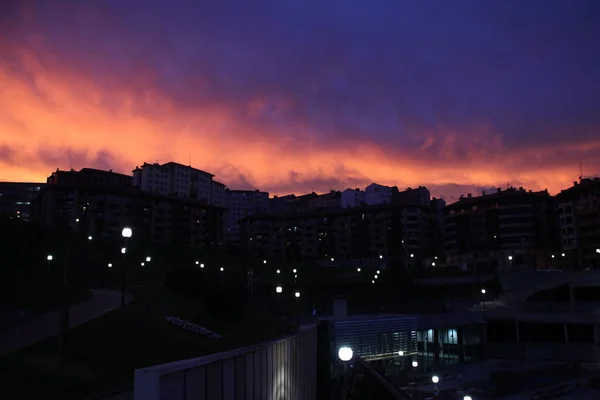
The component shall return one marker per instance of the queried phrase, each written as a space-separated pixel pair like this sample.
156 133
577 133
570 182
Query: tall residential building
174 179
367 232
89 176
16 199
379 194
102 210
241 204
579 217
507 228
352 198
217 193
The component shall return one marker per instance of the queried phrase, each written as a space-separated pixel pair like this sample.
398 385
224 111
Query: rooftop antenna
580 171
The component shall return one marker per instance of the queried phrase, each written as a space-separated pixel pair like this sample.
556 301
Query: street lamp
202 265
278 289
148 259
357 269
278 271
380 256
264 261
400 353
467 398
412 256
109 265
510 258
297 294
142 264
415 364
345 353
89 238
294 270
222 269
126 233
49 257
433 264
598 251
482 291
435 379
562 254
332 259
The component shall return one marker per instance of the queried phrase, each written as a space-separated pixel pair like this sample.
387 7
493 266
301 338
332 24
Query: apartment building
103 210
385 230
507 228
217 194
352 198
241 204
89 176
579 219
16 199
174 179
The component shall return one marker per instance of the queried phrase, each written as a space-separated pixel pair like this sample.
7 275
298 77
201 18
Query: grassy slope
103 353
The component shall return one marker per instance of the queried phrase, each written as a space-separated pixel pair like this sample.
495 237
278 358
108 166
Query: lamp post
49 258
435 379
467 398
401 354
415 364
483 297
126 233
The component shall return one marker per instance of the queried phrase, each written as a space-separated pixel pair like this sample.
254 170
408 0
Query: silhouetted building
385 230
104 211
512 227
579 216
240 204
16 199
90 176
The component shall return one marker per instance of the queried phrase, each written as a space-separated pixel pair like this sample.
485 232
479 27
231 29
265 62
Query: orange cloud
52 118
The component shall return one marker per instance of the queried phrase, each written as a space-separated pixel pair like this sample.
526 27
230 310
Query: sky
299 96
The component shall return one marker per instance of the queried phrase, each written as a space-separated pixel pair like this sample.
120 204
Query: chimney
574 183
520 188
469 195
498 190
483 193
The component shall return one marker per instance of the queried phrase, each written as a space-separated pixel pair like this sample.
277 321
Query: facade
218 194
104 211
365 232
352 198
174 179
90 176
508 228
378 194
579 218
241 204
16 199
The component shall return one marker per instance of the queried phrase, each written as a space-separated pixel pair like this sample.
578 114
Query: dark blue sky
511 83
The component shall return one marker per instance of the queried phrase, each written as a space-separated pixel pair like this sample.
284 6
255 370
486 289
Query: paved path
36 329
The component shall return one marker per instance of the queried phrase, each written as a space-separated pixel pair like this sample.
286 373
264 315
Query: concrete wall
281 369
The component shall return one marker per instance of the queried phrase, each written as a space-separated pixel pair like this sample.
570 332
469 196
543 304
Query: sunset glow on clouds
299 96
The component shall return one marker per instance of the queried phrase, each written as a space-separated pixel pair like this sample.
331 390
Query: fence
280 369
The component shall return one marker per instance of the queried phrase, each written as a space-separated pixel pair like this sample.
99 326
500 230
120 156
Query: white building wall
352 198
378 194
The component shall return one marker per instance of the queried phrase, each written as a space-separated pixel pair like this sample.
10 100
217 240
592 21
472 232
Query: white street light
297 294
123 250
148 259
109 265
400 353
279 289
372 281
49 257
89 238
278 271
433 264
264 261
415 364
142 264
552 255
598 251
482 291
358 269
222 269
412 256
345 353
332 259
127 233
435 379
197 262
467 398
435 257
295 276
76 219
380 256
294 270
377 272
201 265
509 258
562 254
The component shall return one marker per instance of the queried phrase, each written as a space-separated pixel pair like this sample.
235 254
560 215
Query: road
23 334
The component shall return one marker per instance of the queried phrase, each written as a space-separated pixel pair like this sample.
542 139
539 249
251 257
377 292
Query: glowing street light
148 259
294 270
510 258
197 262
297 294
49 257
562 254
467 398
222 269
109 265
142 264
123 250
357 269
482 291
433 264
415 364
89 238
201 265
127 232
400 353
278 289
264 261
412 256
278 271
332 259
435 379
380 256
345 353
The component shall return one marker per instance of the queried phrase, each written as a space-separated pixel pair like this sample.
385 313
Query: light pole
483 297
401 354
49 258
127 233
435 379
415 364
467 398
